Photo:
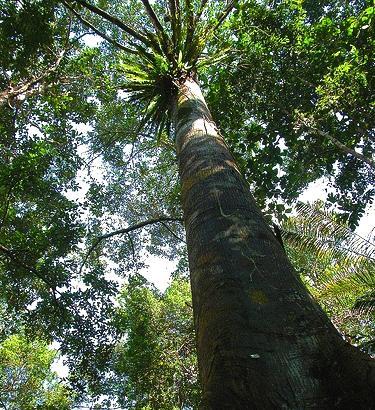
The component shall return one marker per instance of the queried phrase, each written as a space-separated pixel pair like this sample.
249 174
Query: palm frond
317 228
352 271
366 303
158 56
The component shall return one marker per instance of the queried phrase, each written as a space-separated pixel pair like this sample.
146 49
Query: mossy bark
262 341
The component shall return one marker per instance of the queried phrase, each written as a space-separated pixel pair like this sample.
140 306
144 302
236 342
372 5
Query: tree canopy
89 183
26 380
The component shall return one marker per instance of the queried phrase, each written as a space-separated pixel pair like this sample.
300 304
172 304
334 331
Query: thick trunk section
263 343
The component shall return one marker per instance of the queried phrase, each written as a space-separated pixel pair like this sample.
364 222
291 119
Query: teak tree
262 341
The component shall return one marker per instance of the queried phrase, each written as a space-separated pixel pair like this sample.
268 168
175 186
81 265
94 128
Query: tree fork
262 341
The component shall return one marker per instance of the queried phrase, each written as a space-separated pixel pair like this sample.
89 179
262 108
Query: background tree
156 362
40 228
89 89
26 379
304 73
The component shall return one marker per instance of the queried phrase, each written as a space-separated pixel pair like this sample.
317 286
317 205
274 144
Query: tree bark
262 341
29 87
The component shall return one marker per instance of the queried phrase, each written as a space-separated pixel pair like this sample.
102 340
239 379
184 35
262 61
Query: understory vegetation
92 188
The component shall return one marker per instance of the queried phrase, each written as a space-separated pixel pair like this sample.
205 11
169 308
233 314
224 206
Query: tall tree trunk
263 342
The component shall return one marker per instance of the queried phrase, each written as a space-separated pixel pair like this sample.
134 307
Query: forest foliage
290 84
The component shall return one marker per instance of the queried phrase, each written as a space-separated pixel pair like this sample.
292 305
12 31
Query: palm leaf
366 303
316 231
159 56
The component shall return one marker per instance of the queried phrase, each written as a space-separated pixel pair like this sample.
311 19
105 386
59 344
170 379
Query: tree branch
25 88
7 201
310 125
3 404
131 245
172 233
201 9
224 15
220 18
114 20
125 231
97 31
20 263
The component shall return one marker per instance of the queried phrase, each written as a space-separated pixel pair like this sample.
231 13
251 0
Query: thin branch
3 404
25 88
131 245
20 263
125 231
153 17
98 408
172 233
7 201
201 9
97 31
210 30
346 149
223 15
309 124
29 88
114 20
